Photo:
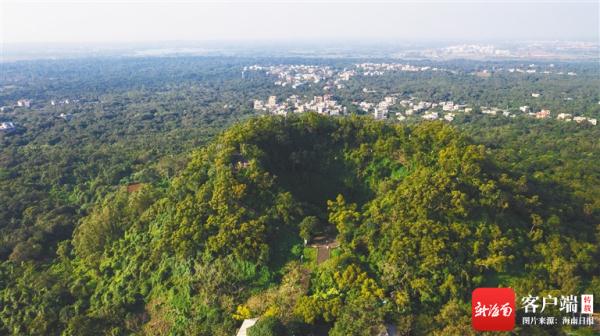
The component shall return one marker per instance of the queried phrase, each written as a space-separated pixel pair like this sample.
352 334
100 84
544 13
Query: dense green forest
164 205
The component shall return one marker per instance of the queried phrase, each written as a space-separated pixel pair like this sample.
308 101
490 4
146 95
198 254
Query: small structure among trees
243 331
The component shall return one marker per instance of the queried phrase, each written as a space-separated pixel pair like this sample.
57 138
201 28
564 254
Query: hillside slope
420 214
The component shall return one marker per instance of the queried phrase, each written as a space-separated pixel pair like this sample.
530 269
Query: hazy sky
151 20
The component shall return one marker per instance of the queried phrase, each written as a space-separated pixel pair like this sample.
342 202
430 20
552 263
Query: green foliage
267 326
109 220
422 214
308 226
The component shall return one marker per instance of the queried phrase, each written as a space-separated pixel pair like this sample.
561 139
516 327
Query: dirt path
324 247
323 253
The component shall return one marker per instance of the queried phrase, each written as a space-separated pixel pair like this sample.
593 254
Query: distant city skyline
154 21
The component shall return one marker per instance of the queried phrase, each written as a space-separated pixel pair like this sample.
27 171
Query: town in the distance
390 89
393 105
315 194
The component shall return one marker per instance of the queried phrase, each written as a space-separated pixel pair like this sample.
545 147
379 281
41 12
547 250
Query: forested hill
413 217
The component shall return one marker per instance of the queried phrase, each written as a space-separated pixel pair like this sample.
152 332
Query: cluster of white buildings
496 111
342 76
529 69
300 74
545 113
578 119
324 104
26 103
379 69
431 110
532 68
54 102
295 75
541 114
427 110
448 110
443 110
379 110
473 50
7 126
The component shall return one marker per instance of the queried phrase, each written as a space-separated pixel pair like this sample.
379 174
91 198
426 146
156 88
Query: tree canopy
422 215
